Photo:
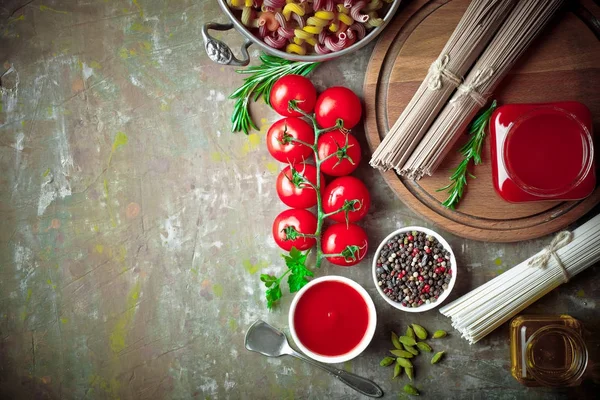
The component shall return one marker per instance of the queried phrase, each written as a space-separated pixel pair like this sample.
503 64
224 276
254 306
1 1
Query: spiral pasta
356 12
247 16
268 19
292 8
295 48
273 3
374 5
277 42
374 21
309 26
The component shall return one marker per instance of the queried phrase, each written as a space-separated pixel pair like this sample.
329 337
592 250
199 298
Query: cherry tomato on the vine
293 87
292 188
289 223
280 144
346 149
348 241
342 191
338 102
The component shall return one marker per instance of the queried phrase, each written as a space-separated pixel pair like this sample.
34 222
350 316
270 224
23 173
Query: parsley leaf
273 294
296 263
268 279
296 282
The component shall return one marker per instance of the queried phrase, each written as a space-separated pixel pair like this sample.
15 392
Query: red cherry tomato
346 160
338 102
293 191
303 221
336 240
346 188
293 87
279 141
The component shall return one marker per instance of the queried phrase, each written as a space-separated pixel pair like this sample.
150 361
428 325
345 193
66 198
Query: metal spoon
267 340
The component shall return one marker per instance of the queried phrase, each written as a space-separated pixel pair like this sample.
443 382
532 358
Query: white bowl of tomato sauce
332 319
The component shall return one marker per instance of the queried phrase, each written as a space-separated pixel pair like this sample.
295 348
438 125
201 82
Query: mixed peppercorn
413 269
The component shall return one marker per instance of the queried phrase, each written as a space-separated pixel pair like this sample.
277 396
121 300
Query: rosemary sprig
259 83
471 151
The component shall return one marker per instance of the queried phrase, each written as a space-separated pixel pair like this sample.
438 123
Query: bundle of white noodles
484 309
472 34
517 32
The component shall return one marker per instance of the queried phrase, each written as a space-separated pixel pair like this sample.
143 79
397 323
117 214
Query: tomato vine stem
296 259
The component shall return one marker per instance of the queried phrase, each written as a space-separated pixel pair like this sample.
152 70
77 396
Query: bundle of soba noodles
484 309
517 32
472 34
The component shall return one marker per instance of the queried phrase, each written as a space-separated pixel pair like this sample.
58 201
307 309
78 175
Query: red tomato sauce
331 318
542 151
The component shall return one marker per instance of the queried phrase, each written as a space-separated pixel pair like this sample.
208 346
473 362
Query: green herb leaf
470 151
268 279
273 294
296 282
296 263
259 83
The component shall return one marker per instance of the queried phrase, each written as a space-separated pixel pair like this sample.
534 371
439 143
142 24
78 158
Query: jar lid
556 355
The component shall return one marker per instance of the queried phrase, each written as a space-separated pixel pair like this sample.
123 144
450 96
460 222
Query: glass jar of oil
547 350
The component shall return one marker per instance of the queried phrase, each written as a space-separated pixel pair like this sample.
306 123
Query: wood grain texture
561 64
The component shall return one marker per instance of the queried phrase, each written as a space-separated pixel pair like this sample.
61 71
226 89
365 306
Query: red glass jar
542 152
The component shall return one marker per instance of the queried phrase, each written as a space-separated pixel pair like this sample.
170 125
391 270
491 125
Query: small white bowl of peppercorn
414 269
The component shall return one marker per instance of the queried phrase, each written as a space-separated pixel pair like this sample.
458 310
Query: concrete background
135 225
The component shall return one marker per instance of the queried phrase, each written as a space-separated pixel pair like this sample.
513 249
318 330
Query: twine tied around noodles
437 70
559 241
470 89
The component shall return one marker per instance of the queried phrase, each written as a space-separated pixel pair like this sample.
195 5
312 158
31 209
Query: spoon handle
358 383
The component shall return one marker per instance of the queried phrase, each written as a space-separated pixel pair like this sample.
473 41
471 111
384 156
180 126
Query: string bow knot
541 260
437 70
470 89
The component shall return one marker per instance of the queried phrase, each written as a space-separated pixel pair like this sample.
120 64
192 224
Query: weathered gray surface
130 270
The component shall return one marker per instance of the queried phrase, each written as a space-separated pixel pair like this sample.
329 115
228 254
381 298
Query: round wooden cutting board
563 63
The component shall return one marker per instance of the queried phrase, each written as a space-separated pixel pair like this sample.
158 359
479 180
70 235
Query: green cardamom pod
404 362
402 353
424 347
410 389
407 340
410 332
411 349
395 341
439 334
420 331
387 361
410 372
397 370
436 357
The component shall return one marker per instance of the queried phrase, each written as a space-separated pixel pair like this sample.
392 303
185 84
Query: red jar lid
542 151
